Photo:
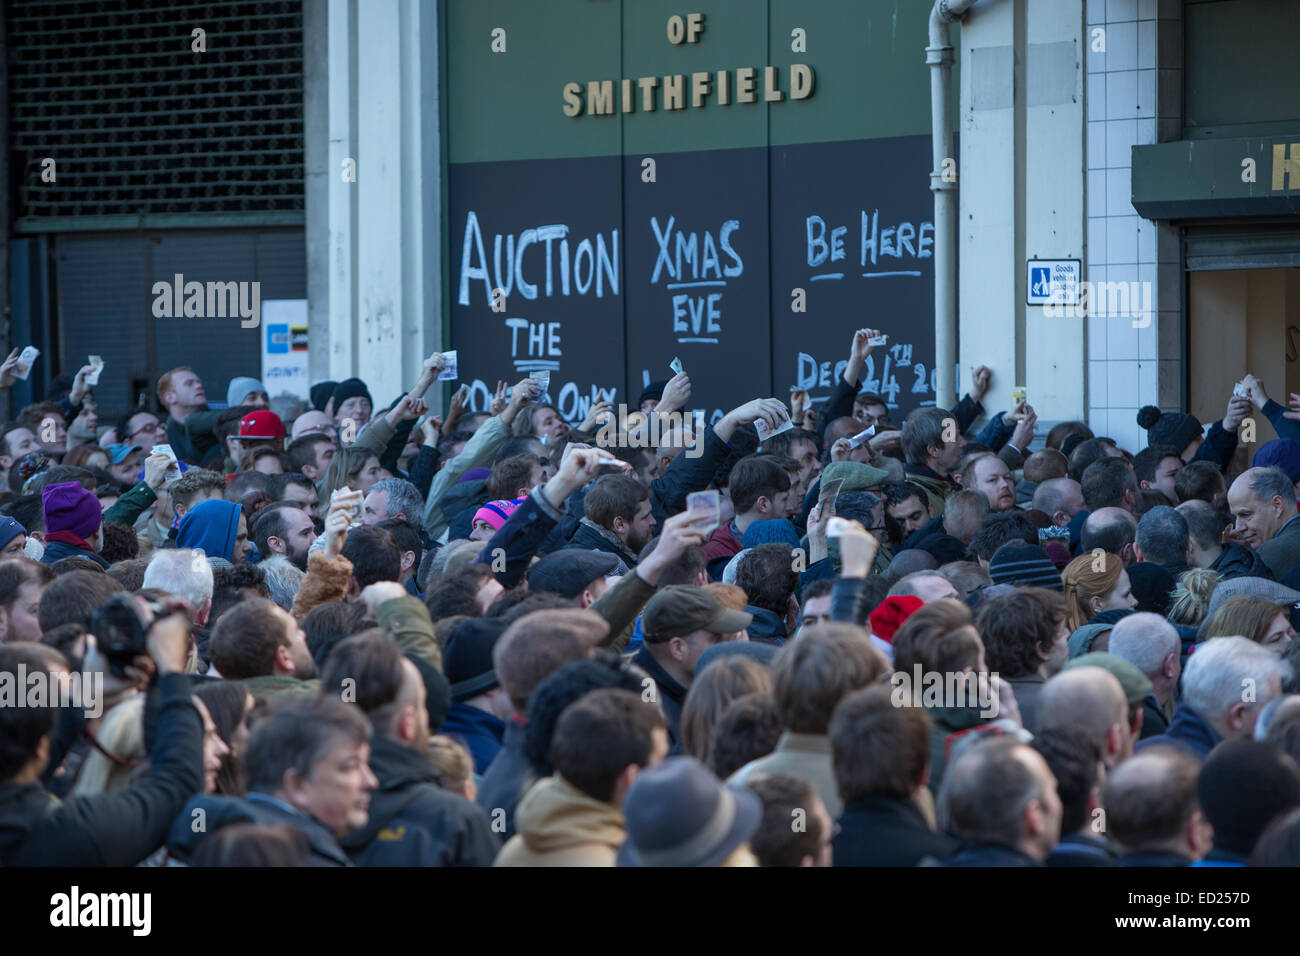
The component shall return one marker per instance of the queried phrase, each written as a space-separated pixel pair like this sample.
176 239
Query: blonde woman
1095 583
1262 621
117 750
1190 600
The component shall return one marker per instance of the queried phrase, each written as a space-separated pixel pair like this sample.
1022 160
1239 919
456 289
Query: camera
120 632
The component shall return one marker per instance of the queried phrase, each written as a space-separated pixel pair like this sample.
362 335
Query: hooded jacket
559 825
259 808
413 821
211 526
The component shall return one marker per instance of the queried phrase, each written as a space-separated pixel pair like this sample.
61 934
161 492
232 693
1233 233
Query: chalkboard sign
753 266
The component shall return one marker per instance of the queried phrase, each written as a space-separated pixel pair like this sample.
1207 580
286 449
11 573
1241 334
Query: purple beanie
70 507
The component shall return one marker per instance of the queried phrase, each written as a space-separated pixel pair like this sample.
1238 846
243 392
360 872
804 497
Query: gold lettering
674 94
1285 167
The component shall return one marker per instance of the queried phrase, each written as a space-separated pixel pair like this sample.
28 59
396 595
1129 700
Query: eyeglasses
153 427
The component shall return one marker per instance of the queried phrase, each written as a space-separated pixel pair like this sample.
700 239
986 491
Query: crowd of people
331 633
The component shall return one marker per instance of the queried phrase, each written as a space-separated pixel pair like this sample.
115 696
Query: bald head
1059 498
1112 530
927 585
1091 700
1151 803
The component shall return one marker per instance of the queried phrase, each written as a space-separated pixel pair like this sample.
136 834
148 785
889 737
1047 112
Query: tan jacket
559 825
805 757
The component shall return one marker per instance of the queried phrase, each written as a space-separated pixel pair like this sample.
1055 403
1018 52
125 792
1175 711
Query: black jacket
413 821
991 854
671 694
508 776
887 831
588 538
219 811
112 829
459 498
766 627
1079 849
1153 858
1239 561
1154 721
686 473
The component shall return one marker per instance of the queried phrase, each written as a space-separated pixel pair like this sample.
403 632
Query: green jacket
272 686
131 505
620 605
406 620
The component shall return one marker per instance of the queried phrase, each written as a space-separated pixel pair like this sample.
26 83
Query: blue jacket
57 550
480 732
1188 731
520 537
211 526
219 811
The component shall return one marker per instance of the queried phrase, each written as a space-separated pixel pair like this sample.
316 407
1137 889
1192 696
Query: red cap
890 614
261 424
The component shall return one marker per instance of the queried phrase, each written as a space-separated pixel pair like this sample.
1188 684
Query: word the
178 298
957 689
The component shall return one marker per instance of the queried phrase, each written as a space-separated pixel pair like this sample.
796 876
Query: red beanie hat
890 614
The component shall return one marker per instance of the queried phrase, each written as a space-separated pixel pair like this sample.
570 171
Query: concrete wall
1022 196
374 251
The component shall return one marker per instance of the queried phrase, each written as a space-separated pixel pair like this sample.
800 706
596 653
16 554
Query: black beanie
321 393
437 691
1244 785
1152 587
467 660
350 388
1168 428
653 392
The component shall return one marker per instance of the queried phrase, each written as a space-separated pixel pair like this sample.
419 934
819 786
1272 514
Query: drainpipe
939 56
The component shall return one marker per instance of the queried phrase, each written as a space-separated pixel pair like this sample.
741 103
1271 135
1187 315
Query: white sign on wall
284 348
1052 280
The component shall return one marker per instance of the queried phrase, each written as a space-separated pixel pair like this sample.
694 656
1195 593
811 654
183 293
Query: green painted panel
1241 62
1203 178
867 58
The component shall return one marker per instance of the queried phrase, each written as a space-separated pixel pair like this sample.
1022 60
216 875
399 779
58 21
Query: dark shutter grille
141 126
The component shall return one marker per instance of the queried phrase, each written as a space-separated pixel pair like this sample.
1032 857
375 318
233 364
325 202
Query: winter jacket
559 825
592 537
1276 415
477 453
1153 858
1239 561
479 731
422 468
211 526
112 829
507 777
671 694
1027 691
258 808
58 550
1188 731
193 440
887 831
1081 849
326 581
938 489
766 627
1154 721
723 543
1218 447
686 474
805 757
991 854
1282 551
135 502
950 724
413 821
274 686
459 505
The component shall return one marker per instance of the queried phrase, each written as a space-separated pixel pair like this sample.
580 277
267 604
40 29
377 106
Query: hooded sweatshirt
559 825
211 526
